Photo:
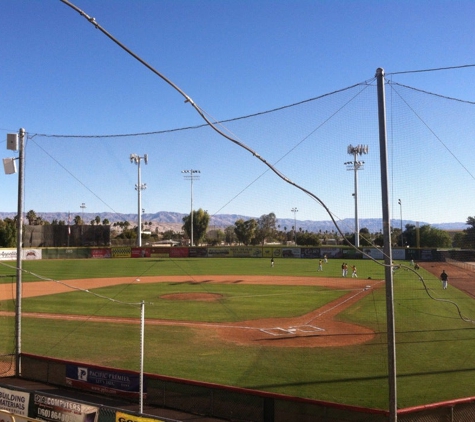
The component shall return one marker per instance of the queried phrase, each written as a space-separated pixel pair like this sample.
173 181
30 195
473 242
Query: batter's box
294 330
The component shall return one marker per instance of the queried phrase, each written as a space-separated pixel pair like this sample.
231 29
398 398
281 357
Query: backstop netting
330 146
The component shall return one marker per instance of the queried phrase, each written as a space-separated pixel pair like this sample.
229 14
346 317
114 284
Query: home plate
294 330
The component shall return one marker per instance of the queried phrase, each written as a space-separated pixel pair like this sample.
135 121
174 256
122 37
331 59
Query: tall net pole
387 248
21 183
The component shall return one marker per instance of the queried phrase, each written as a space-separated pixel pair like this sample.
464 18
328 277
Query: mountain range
166 220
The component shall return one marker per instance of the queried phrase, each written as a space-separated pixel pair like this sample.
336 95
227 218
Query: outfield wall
268 252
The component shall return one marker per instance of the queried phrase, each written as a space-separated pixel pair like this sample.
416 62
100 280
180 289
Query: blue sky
61 76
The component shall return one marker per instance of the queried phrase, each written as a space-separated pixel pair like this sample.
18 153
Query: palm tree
31 217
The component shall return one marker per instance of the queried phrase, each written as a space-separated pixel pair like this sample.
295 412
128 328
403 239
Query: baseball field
287 329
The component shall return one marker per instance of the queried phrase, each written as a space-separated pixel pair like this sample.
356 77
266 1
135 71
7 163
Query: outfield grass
127 267
434 345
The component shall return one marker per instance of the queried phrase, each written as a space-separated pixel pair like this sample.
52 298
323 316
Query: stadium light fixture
356 165
191 175
139 187
295 210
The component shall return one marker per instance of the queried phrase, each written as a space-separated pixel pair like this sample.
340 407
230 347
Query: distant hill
166 220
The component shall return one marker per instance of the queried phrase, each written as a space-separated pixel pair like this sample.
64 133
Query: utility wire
217 122
431 93
436 69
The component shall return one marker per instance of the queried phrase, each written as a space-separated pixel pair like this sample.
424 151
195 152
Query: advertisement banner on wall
15 402
57 409
219 252
7 254
374 253
127 417
179 253
198 252
290 252
331 252
160 251
119 383
310 252
246 252
30 254
399 254
140 252
267 252
120 252
101 253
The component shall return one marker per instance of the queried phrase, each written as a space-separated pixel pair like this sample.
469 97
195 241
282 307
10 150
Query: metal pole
139 207
357 224
355 166
191 176
191 213
142 341
21 183
134 158
391 337
83 205
294 210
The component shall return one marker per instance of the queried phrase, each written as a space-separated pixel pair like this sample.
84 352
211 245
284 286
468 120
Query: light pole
400 213
356 165
82 206
139 187
295 210
17 143
191 175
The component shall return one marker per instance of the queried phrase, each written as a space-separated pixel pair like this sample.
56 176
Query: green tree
265 227
469 234
229 235
215 237
200 225
429 237
308 239
78 220
245 231
8 233
365 237
98 220
434 238
31 217
169 235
